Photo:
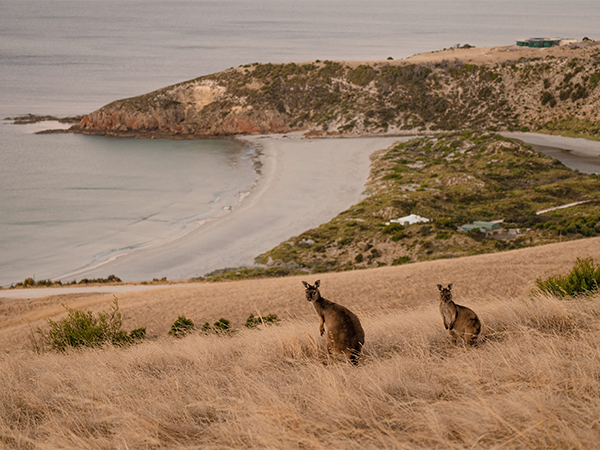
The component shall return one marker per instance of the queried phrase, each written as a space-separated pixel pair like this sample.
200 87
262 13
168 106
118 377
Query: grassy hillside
531 384
452 179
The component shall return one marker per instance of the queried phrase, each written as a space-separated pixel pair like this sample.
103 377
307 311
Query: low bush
221 326
86 329
393 228
109 279
400 260
181 327
582 280
254 321
30 282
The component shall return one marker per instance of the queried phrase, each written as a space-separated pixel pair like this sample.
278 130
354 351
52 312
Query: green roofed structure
544 42
482 225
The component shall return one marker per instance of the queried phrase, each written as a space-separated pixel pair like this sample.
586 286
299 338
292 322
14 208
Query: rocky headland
495 89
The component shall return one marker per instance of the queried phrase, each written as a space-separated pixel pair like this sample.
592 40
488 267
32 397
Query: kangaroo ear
440 287
306 285
317 283
450 286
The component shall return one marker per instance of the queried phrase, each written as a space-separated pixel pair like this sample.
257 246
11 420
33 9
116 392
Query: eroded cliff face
198 108
548 88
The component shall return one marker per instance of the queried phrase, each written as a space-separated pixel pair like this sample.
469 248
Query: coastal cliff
494 89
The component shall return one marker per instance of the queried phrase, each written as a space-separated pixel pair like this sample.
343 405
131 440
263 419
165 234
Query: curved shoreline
114 255
304 183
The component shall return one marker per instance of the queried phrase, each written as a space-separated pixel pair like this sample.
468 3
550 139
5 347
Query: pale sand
305 182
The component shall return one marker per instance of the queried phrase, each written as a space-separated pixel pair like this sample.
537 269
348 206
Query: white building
409 220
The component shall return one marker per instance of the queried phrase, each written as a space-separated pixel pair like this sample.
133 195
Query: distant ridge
494 89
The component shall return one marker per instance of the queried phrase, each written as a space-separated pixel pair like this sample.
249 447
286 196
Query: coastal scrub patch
86 329
340 98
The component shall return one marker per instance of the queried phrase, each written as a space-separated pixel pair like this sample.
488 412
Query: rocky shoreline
33 118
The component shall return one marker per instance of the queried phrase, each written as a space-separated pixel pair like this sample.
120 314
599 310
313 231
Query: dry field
534 381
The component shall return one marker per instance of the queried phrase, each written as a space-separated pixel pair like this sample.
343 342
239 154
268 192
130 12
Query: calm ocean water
69 201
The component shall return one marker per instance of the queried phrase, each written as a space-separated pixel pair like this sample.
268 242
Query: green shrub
401 260
221 326
254 321
344 241
445 222
547 97
138 334
181 327
582 280
397 236
86 329
109 279
393 228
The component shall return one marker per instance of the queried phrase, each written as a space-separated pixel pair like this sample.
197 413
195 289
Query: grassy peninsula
451 179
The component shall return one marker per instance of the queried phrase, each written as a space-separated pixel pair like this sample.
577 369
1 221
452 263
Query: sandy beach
304 183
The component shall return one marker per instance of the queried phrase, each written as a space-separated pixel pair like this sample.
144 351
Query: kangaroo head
445 293
312 292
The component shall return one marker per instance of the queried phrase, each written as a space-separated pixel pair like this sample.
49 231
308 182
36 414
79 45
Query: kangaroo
460 321
344 332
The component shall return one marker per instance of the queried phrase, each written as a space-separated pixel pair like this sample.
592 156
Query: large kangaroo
344 332
460 321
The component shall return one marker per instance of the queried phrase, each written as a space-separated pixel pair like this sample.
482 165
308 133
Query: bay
69 201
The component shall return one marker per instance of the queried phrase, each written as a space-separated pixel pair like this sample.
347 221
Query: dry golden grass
533 382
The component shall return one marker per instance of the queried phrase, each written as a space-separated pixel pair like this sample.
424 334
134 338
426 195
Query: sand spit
304 183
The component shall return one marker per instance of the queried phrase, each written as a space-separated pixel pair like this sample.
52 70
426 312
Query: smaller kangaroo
344 332
460 321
